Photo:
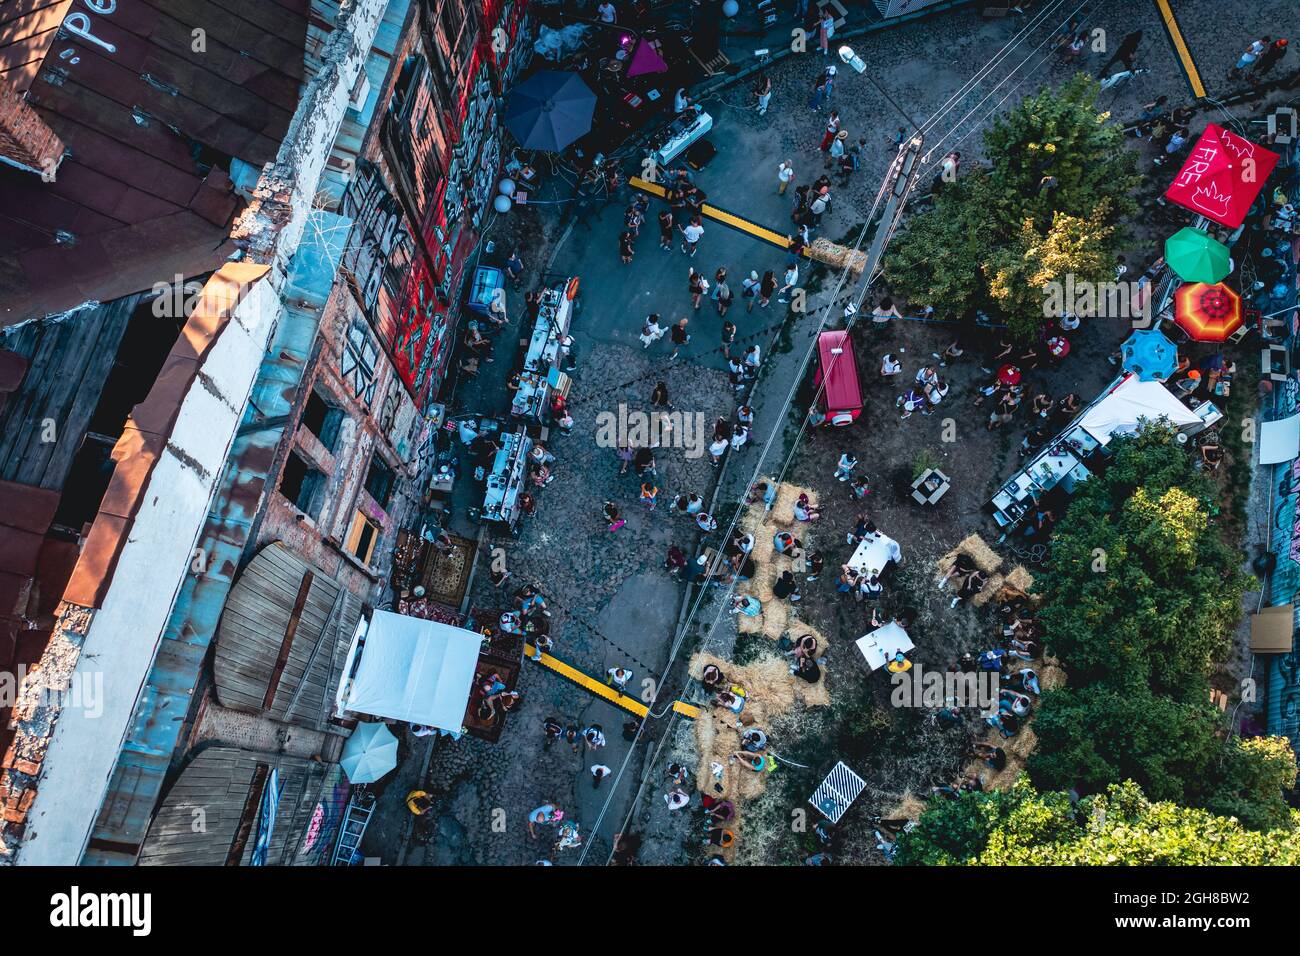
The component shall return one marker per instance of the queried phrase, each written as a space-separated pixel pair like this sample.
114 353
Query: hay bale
776 618
990 589
837 256
985 558
1020 579
910 807
1050 676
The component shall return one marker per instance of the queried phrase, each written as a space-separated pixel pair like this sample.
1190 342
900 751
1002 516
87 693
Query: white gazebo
405 668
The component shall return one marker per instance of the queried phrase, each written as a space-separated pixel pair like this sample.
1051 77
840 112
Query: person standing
696 286
818 94
844 468
617 678
1249 56
598 773
691 234
666 230
728 336
652 331
784 176
1276 50
763 89
679 337
515 268
767 287
722 294
606 12
825 30
832 128
625 249
749 290
837 148
659 397
751 361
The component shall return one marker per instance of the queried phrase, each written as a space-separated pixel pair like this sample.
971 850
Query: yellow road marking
1180 48
603 690
722 216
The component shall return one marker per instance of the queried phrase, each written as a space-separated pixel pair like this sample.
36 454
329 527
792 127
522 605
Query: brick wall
25 139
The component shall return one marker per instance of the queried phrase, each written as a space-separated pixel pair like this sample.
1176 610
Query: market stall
542 377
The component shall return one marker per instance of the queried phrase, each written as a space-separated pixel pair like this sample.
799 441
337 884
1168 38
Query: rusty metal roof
152 113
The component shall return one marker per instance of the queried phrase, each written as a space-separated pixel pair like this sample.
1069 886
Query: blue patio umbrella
550 110
1150 355
370 753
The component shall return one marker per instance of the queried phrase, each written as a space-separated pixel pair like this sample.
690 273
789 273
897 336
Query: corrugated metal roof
283 635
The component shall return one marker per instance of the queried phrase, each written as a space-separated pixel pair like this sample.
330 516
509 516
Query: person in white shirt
784 176
606 11
791 277
717 448
691 234
890 366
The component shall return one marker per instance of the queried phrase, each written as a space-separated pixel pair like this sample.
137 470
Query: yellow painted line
1180 48
603 690
721 215
689 711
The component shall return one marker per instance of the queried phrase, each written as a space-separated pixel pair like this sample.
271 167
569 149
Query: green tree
1048 205
1120 827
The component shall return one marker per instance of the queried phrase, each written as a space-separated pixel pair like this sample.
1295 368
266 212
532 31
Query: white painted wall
125 633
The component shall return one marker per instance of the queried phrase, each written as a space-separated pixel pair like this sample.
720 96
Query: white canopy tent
874 552
880 646
1131 402
409 669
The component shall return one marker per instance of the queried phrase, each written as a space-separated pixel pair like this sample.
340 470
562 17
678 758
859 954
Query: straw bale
837 256
1020 579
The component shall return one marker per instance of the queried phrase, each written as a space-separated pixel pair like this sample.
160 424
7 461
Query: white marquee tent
1131 402
405 668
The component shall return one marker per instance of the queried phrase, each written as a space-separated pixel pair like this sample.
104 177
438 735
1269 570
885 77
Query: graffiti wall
393 281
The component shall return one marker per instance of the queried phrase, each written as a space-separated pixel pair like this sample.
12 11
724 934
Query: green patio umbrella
1196 257
370 753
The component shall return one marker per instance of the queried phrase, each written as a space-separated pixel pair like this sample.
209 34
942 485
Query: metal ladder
353 829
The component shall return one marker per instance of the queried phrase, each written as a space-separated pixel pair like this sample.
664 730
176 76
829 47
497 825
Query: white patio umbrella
370 753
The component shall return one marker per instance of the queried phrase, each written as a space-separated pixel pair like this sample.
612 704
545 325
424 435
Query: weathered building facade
260 475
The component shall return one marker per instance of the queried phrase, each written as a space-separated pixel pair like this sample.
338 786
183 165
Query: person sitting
747 605
808 670
970 586
786 587
1018 704
961 569
804 510
899 664
869 587
712 678
1026 679
755 762
1211 455
732 702
784 541
753 740
995 757
718 811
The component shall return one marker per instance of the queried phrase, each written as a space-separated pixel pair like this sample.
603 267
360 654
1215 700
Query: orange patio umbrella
1208 313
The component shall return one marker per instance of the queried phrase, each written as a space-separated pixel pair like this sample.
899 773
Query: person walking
679 337
1270 57
767 287
649 494
613 520
697 285
728 337
1124 54
837 149
832 129
752 361
617 678
651 331
717 448
818 94
722 295
666 230
791 277
598 773
691 234
659 396
784 176
763 90
625 250
1249 56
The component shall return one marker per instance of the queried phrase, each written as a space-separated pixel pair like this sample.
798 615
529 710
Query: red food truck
840 401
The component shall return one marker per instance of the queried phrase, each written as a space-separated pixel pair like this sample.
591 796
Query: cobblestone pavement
612 602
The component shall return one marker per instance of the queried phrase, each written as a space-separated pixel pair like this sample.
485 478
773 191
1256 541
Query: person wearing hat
1276 50
1189 384
837 148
